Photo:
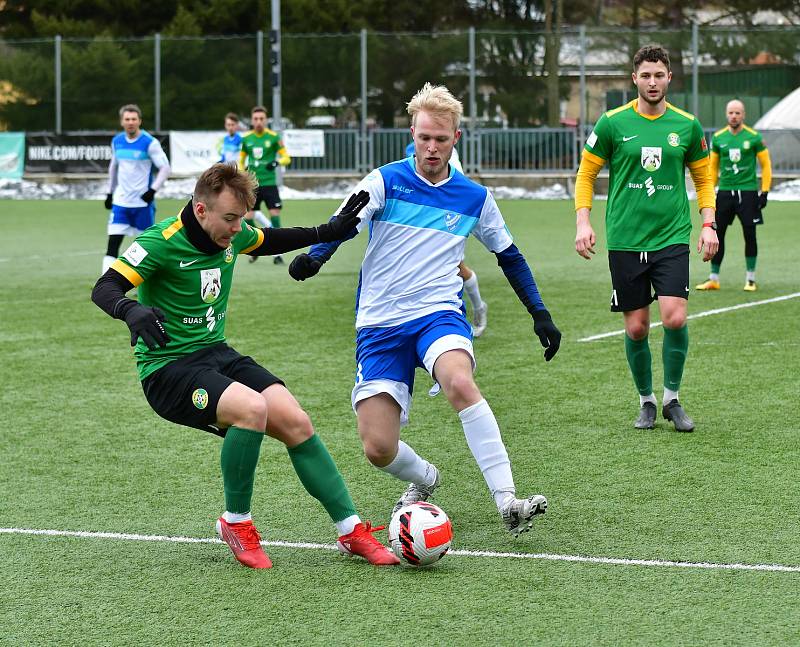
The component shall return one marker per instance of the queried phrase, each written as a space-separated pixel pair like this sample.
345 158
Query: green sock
321 478
676 346
750 262
275 221
239 458
638 354
715 268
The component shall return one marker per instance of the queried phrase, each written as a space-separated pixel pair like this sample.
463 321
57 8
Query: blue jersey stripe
401 212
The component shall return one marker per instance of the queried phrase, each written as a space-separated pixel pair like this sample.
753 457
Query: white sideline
461 553
706 313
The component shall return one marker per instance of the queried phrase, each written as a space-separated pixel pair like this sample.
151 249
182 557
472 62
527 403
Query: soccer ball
420 534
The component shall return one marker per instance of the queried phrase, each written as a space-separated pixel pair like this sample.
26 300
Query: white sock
260 219
713 276
751 276
237 517
107 262
473 291
486 445
346 526
647 398
669 395
410 467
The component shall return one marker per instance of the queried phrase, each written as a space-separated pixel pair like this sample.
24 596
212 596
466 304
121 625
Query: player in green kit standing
262 152
647 144
183 267
734 151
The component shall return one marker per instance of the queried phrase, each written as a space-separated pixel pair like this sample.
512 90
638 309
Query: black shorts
269 196
639 278
738 203
187 391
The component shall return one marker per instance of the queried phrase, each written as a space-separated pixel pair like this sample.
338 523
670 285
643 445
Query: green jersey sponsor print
737 158
190 287
261 150
647 205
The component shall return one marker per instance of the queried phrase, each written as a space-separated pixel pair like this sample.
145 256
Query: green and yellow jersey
647 155
191 287
258 151
733 157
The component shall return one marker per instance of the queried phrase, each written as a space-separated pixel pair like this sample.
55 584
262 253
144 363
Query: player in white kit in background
132 187
409 313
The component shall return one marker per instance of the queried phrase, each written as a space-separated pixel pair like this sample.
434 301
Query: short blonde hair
218 177
437 100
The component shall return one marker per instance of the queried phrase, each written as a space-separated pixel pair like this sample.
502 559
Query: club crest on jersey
451 220
674 139
229 254
200 398
258 152
651 158
735 154
210 284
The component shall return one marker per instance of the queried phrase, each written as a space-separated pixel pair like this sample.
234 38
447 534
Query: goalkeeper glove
762 199
109 201
345 221
148 196
146 322
549 336
304 267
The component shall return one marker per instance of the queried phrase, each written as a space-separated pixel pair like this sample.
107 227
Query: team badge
451 220
229 254
735 154
674 139
651 158
746 144
258 152
210 284
200 398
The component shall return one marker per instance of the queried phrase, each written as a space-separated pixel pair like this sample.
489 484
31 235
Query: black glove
148 195
549 335
271 166
108 202
145 322
304 267
345 221
762 199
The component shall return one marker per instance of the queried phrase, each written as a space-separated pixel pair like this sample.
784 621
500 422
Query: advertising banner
193 151
71 153
304 143
12 155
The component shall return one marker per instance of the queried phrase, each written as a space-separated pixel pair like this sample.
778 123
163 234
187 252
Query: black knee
114 242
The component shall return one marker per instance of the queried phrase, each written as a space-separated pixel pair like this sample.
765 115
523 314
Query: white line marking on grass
461 553
706 313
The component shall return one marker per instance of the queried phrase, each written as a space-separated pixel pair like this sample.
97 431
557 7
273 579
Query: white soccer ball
420 534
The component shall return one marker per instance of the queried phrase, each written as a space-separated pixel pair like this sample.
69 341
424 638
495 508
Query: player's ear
457 137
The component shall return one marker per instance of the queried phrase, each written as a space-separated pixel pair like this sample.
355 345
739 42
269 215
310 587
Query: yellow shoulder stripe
720 131
270 132
173 229
258 242
629 105
750 130
688 115
128 272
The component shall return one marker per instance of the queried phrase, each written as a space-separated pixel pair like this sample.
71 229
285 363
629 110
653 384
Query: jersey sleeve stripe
259 240
128 272
593 158
703 161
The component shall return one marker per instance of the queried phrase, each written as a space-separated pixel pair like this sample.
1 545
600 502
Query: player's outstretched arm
519 275
143 321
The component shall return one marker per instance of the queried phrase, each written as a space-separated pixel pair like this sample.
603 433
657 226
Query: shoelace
369 529
249 537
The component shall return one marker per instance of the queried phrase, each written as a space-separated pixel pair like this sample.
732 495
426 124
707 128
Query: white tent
780 127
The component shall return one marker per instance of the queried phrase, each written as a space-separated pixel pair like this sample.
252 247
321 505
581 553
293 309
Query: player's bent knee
379 454
252 414
460 386
675 320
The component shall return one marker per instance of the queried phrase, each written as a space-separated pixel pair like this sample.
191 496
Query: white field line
39 257
706 313
461 553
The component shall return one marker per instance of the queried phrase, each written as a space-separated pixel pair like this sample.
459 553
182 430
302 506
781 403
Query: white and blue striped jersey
131 167
417 234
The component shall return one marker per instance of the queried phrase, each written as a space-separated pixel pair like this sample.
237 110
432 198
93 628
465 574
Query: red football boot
361 542
245 542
